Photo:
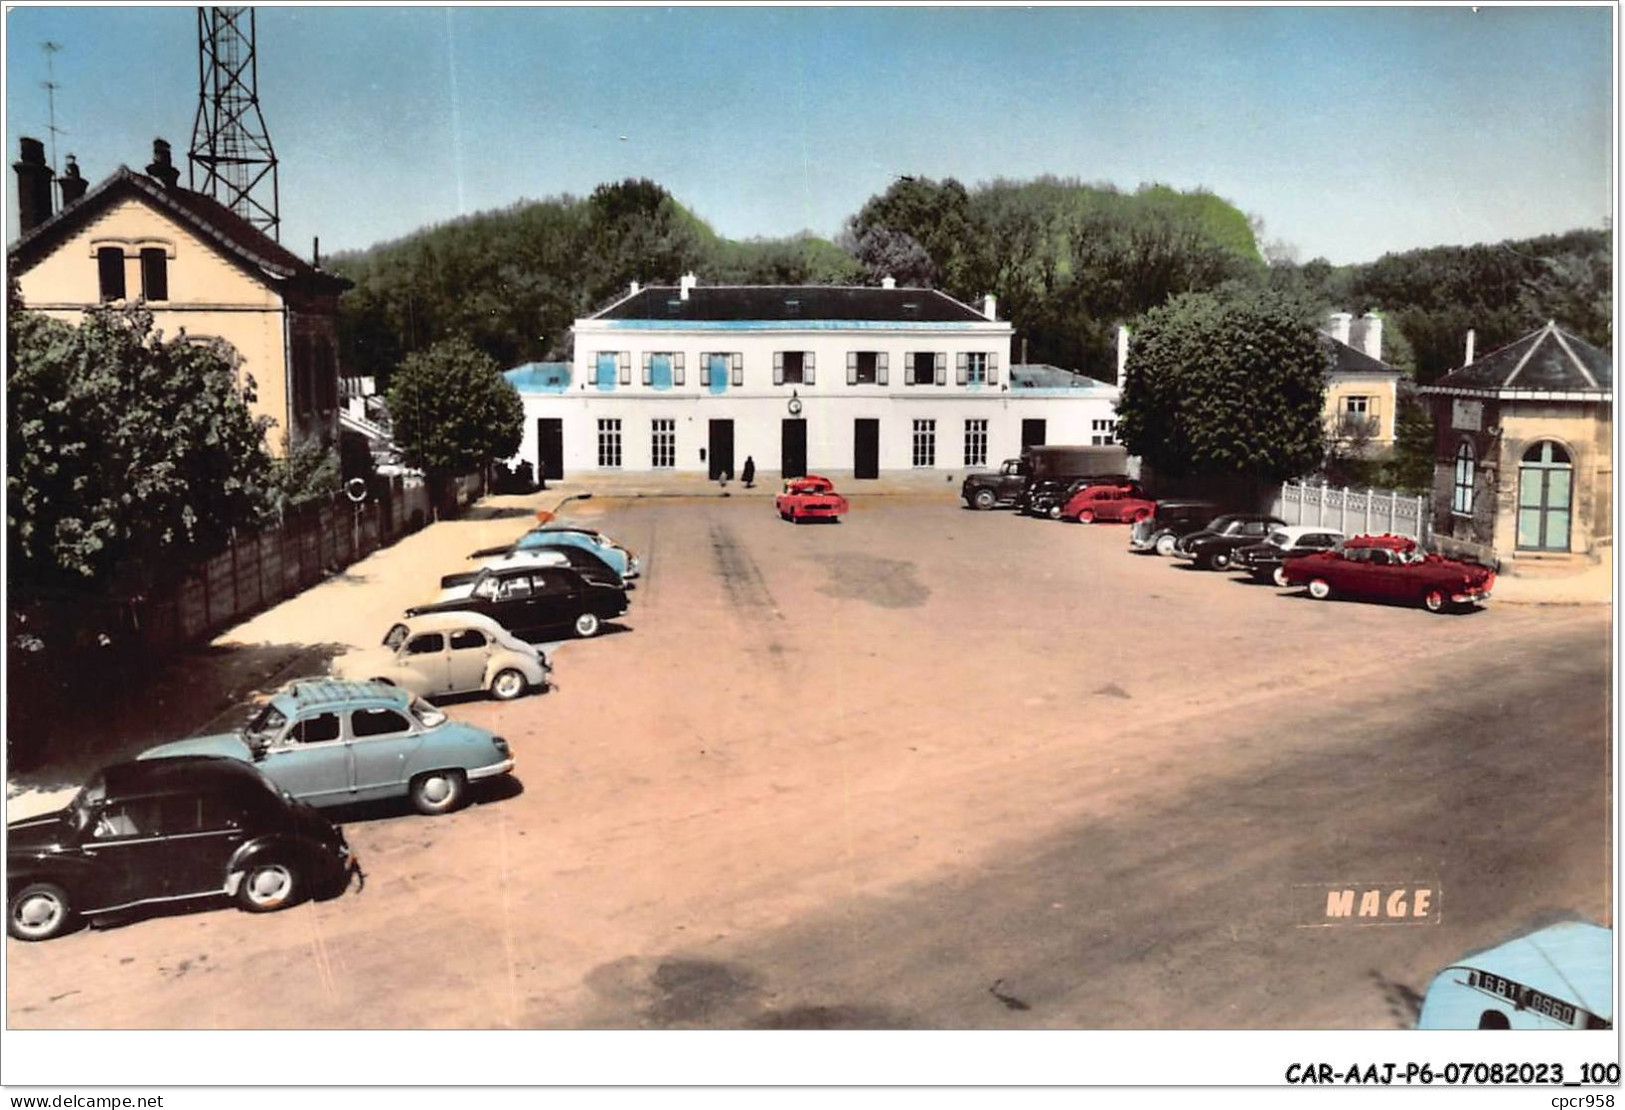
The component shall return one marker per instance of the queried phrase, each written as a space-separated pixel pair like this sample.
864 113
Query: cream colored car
449 653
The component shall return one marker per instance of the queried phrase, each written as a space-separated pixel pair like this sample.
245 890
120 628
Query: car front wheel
438 792
267 886
39 911
983 499
1165 545
1054 512
1433 601
1320 589
508 684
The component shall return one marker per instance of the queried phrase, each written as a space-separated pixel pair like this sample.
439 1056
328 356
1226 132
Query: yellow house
200 269
1362 391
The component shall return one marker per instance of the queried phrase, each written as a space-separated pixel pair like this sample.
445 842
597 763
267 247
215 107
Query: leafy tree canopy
452 411
1230 382
128 453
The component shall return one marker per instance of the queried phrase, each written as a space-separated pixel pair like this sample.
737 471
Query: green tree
306 472
1229 383
129 454
452 411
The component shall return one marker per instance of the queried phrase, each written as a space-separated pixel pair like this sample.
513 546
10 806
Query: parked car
449 653
1390 568
983 490
1108 503
587 563
1171 520
532 603
332 743
1263 560
1215 546
1047 496
169 830
619 558
809 497
1559 977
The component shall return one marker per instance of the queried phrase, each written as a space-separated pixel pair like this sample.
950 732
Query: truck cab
988 490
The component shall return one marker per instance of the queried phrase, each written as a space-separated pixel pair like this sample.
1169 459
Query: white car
449 653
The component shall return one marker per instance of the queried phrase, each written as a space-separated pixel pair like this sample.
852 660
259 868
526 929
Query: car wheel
1320 589
508 684
40 911
587 625
1433 601
1279 577
1165 545
267 886
1087 516
438 792
983 499
1220 560
1054 512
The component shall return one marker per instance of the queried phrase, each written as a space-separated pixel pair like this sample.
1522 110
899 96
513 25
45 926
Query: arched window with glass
1545 493
1461 500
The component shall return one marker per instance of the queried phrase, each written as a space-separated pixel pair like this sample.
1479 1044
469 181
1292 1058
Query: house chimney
72 183
990 307
33 186
1371 335
636 289
687 284
1122 354
161 167
1472 340
888 282
1337 326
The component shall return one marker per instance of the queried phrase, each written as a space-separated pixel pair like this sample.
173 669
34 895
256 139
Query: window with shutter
778 367
961 367
881 368
908 367
705 369
993 368
739 368
648 368
626 367
809 366
942 367
851 368
677 368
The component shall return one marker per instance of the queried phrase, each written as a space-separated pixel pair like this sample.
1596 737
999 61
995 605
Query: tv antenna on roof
50 86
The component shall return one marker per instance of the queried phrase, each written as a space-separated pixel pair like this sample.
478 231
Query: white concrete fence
1354 512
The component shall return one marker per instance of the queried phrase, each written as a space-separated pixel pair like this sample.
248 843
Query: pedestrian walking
749 473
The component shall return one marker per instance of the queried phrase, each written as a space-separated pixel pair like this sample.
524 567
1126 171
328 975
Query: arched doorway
1545 493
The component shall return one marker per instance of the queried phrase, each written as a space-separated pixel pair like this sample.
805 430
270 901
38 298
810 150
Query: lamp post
543 516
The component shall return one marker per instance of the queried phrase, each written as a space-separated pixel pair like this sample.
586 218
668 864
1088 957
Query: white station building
839 380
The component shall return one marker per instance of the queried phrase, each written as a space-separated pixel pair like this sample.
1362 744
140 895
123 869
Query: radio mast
231 149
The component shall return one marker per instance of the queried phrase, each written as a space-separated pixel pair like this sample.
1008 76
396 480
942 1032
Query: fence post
1343 512
1370 496
1320 505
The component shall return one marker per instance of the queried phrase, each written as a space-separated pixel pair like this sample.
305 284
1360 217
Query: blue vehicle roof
326 693
1572 962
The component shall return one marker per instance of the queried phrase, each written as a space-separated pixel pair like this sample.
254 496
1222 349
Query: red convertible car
810 498
1390 568
1127 504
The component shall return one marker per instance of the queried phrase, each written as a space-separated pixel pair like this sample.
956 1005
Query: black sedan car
533 602
1214 547
169 830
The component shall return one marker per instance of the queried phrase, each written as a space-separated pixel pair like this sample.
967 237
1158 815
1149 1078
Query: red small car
1390 568
1128 504
810 497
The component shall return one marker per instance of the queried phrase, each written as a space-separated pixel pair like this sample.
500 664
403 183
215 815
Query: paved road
926 767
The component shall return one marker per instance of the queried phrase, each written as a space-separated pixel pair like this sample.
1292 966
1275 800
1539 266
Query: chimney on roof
162 166
636 288
1371 335
990 307
1337 326
888 282
1122 354
72 183
33 186
686 284
1472 342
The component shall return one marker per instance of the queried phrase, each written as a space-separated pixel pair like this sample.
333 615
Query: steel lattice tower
231 149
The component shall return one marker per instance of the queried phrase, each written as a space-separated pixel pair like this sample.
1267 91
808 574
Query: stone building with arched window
1523 462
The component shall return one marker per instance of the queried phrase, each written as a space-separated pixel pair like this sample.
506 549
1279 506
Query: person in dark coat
749 473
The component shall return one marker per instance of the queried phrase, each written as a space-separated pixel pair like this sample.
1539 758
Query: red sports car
810 498
1390 568
1127 504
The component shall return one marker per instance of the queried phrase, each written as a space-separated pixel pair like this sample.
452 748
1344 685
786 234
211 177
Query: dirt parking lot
926 767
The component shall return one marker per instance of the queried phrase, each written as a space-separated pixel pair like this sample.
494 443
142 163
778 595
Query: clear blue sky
1350 131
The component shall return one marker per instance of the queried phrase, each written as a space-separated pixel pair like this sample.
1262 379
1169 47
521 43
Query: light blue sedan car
619 558
1561 977
333 743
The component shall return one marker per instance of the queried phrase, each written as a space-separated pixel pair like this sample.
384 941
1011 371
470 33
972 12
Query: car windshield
1219 524
85 801
1279 539
486 587
395 637
265 724
428 716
